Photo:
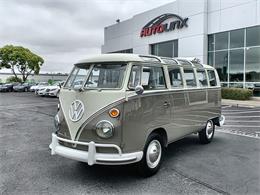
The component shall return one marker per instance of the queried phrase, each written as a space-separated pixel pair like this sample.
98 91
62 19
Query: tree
13 79
20 59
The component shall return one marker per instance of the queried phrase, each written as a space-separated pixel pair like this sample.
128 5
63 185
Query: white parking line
239 134
250 126
246 121
223 107
26 106
244 112
243 116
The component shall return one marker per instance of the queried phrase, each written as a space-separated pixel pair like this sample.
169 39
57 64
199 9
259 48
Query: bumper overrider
91 156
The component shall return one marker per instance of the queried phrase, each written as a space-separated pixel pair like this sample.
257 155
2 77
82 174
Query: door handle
166 104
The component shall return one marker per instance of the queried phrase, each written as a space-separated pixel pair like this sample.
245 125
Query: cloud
63 31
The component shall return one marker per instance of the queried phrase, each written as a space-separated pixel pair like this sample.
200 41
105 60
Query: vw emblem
76 110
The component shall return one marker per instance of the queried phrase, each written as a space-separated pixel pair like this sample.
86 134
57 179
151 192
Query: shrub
50 81
13 79
236 93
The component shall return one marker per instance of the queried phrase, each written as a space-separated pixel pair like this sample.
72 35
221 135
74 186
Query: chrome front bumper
222 120
91 156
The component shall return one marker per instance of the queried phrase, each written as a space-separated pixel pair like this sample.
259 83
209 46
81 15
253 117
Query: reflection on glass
106 76
253 64
166 49
221 41
212 78
153 78
236 65
210 42
211 58
201 74
236 85
237 38
175 77
253 36
190 78
221 64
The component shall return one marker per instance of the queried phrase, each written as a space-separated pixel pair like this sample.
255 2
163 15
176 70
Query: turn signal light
114 112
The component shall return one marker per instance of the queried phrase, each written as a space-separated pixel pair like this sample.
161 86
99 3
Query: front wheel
152 157
206 135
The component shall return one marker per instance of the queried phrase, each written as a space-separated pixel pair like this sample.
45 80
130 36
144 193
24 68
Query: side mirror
139 89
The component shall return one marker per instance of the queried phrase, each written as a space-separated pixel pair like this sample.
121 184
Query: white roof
113 57
127 57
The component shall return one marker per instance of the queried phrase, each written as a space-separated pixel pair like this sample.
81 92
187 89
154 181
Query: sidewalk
254 102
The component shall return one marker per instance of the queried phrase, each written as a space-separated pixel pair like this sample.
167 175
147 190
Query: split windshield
97 76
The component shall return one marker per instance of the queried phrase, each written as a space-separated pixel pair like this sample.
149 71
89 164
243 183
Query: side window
175 77
135 77
153 78
189 77
150 77
202 77
212 78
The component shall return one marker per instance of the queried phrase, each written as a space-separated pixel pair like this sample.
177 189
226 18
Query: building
222 33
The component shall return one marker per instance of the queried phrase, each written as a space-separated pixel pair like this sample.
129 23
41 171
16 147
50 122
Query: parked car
54 89
22 87
8 87
256 89
41 90
135 109
37 86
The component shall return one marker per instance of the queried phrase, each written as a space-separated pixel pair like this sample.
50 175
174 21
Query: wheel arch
162 132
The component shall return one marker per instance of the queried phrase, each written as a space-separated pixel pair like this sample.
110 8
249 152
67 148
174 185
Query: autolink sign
156 25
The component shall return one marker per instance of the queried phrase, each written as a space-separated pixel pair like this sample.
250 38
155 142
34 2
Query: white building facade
222 33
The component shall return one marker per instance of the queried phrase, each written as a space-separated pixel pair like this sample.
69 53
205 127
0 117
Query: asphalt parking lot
229 165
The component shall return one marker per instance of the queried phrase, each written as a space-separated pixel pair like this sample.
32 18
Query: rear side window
175 77
212 78
153 78
189 77
202 77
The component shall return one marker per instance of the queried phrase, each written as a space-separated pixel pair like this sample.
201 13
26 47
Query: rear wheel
152 157
207 134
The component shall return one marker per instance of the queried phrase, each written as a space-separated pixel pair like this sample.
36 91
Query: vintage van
125 108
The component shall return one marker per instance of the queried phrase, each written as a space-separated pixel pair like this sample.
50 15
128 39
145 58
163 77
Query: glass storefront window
236 65
124 51
236 56
221 41
166 49
253 64
210 42
237 38
221 64
211 58
253 36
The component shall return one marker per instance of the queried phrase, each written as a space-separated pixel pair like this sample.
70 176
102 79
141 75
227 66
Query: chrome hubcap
153 154
209 129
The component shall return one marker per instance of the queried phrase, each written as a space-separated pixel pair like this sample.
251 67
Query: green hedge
236 93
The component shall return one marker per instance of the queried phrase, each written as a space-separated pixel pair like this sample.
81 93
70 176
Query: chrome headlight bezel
105 129
57 122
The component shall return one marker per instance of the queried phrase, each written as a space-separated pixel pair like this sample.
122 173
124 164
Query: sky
64 31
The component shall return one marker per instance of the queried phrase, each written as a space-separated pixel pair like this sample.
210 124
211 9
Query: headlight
57 122
105 129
